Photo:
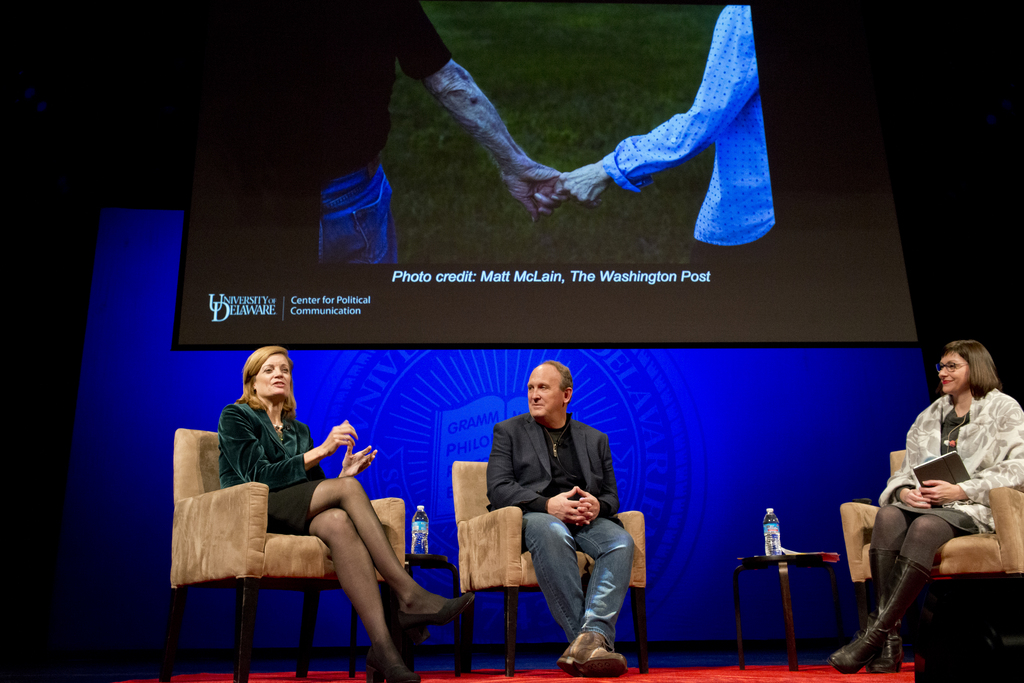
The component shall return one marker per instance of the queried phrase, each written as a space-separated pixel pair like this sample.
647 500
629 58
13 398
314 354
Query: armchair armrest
635 524
858 521
391 512
490 550
219 534
1008 517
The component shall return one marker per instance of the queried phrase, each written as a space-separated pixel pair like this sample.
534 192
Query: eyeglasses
949 366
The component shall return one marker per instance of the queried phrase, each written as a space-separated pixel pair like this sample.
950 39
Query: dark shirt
297 93
950 431
565 469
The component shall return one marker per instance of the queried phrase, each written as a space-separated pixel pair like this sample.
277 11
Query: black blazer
519 470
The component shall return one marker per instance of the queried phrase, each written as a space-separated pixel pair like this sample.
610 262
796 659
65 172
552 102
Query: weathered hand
938 492
584 185
533 186
354 463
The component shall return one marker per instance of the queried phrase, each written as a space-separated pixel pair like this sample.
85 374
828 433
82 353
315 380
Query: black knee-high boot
890 658
907 581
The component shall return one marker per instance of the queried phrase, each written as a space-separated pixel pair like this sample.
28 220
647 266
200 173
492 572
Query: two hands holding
541 189
932 492
342 435
575 507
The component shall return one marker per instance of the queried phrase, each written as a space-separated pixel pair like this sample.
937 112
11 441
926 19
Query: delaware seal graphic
424 410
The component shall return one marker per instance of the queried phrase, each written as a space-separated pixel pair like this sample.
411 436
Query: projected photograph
413 173
653 112
658 106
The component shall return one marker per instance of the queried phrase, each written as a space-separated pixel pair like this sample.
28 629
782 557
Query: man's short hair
563 371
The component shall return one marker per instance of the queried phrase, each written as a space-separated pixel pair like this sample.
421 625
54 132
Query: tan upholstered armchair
491 559
220 540
979 555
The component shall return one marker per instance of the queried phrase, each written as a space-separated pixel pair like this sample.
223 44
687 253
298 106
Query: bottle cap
419 507
769 509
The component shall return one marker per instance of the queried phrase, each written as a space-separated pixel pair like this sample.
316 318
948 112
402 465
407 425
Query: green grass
570 82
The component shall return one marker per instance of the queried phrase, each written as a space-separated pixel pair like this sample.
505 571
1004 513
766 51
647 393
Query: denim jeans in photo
356 225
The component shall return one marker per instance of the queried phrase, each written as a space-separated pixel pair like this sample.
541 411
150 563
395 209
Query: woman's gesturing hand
354 463
341 435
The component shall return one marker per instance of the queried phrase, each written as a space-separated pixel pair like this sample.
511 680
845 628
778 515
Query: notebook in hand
947 468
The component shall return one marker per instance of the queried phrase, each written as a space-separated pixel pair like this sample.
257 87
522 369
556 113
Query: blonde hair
251 369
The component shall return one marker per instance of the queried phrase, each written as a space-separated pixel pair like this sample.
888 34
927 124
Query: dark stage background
104 106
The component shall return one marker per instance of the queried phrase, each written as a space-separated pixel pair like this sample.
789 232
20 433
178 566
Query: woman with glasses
985 427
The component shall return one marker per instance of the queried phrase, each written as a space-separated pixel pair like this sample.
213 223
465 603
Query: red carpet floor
782 674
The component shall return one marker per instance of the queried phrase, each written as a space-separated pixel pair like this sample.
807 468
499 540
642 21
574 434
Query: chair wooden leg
310 606
247 592
861 591
390 604
177 611
839 610
352 646
639 604
511 614
467 638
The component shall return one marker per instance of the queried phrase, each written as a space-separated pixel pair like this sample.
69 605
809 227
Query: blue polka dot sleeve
727 112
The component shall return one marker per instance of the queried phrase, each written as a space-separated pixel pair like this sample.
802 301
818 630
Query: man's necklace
554 441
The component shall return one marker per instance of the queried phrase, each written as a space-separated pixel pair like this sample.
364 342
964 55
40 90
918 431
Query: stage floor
96 668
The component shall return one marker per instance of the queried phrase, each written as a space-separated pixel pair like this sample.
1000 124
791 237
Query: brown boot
567 663
593 657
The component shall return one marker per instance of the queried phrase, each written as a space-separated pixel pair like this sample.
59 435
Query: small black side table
783 562
436 562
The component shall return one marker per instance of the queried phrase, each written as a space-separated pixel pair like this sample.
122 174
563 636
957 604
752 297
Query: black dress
287 508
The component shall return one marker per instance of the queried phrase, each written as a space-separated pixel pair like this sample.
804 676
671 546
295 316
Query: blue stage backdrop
703 441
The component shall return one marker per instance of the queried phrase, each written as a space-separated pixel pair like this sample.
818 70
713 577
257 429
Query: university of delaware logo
226 306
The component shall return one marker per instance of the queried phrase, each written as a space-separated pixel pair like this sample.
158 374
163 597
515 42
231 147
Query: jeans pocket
359 234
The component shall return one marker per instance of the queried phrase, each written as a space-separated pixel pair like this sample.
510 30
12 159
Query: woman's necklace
280 431
949 441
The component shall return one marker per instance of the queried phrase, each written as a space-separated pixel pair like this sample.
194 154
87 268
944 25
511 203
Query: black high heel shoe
413 623
377 673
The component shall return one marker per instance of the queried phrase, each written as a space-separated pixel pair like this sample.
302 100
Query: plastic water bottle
420 530
772 539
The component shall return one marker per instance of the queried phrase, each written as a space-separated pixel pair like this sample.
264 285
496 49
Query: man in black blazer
560 473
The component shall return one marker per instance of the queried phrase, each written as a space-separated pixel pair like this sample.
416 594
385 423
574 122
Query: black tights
915 537
343 518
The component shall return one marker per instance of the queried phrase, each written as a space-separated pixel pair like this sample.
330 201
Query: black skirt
287 509
954 518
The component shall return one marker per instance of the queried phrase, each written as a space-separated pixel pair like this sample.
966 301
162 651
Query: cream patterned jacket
991 446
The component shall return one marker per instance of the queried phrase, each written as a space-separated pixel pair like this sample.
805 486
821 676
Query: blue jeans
356 225
553 546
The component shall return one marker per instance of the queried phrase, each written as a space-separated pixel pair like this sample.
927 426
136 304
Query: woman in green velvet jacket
260 440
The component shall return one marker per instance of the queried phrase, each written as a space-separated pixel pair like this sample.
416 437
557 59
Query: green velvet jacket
250 450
